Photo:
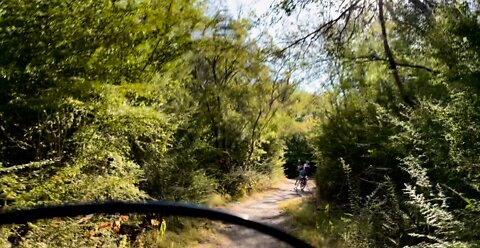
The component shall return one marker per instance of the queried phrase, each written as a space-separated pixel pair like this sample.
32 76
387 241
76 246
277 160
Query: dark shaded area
298 152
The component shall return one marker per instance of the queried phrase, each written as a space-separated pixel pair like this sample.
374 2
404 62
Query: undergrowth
319 227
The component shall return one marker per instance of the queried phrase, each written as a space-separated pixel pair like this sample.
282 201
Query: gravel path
263 208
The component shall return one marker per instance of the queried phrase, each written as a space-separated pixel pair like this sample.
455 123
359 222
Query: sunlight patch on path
265 209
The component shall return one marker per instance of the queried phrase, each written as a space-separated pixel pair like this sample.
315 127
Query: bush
356 135
421 206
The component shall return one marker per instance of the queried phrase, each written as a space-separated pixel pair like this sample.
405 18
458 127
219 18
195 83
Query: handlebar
165 208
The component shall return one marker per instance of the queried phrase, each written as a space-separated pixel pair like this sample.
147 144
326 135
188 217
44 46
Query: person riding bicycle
302 173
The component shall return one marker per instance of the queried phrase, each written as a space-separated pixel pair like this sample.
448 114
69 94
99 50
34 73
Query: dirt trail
263 208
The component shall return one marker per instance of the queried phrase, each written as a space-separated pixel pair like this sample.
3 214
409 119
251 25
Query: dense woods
158 100
397 145
131 100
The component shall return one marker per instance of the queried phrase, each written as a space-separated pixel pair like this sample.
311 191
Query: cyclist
302 174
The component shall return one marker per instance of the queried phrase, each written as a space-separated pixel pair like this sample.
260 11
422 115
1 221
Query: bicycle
303 183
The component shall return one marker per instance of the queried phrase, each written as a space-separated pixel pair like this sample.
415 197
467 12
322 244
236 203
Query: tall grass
316 226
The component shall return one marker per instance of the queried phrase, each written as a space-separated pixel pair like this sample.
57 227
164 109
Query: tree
395 168
237 97
351 20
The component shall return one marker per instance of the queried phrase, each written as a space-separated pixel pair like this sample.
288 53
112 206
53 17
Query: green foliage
430 212
311 224
404 175
130 100
233 104
351 133
300 118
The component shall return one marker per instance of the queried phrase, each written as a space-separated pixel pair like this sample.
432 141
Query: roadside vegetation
133 100
396 143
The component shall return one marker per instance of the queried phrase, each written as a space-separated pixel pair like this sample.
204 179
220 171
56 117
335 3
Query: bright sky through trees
255 8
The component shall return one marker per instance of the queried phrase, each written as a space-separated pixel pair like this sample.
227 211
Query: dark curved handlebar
165 208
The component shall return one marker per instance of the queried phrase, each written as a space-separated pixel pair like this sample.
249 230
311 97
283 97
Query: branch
36 164
252 141
373 58
323 28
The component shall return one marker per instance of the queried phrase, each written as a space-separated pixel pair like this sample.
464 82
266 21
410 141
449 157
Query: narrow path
263 208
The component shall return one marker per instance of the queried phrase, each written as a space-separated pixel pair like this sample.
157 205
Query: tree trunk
391 60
